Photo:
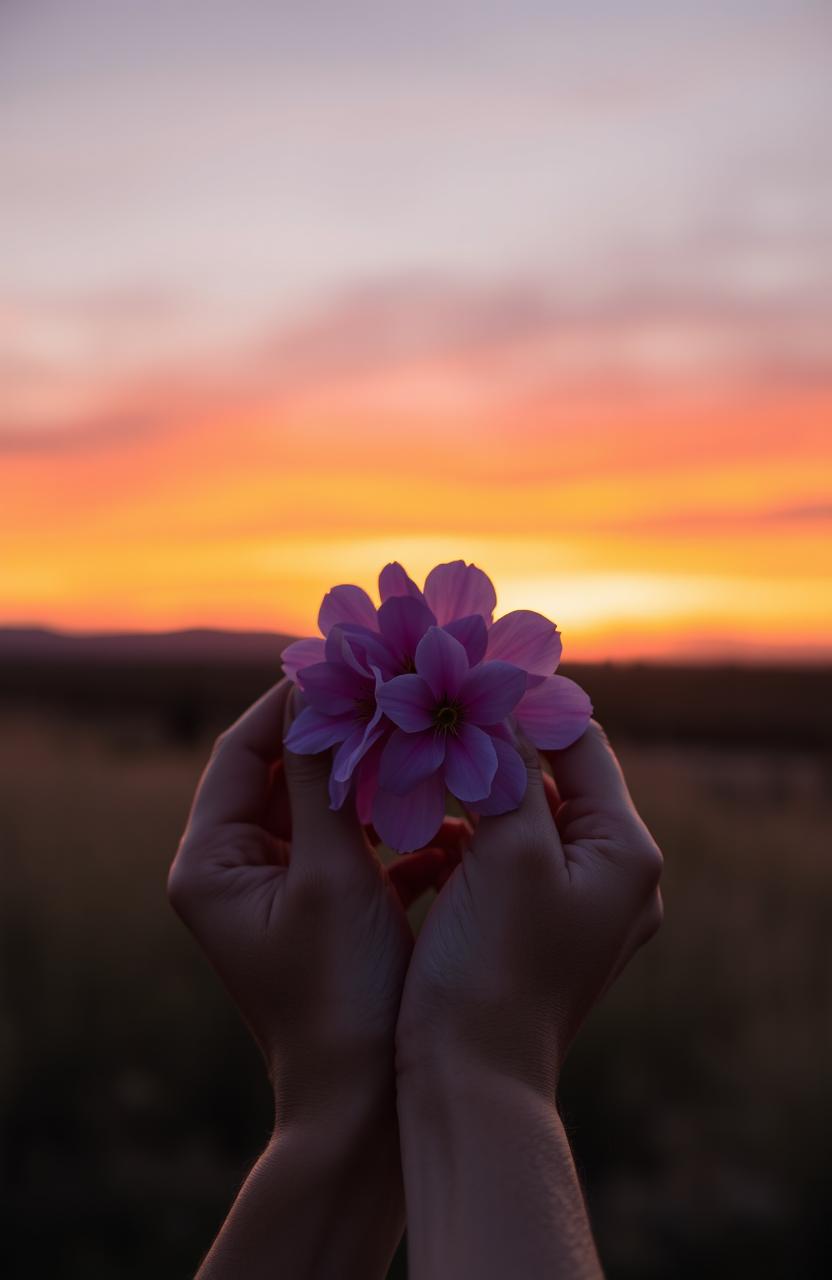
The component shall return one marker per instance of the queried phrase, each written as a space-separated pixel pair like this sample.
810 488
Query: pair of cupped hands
537 912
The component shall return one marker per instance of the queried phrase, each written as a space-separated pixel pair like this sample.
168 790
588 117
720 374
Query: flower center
446 717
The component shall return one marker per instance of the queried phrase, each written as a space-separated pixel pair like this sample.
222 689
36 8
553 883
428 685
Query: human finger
643 929
320 834
596 806
529 830
236 784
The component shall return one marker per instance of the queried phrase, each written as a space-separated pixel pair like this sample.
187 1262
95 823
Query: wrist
457 1088
490 1183
347 1141
353 1134
454 1063
325 1084
324 1199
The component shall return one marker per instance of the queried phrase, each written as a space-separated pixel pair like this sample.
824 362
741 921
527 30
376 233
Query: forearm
323 1200
490 1183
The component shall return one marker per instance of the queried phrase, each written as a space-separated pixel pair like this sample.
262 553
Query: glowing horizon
313 295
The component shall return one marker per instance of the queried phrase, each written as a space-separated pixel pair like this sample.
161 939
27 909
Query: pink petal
301 653
409 822
470 763
403 621
366 781
472 634
338 791
555 713
457 590
368 648
311 731
354 747
359 648
509 784
346 604
341 646
491 692
528 640
393 581
409 758
408 701
442 662
333 689
357 757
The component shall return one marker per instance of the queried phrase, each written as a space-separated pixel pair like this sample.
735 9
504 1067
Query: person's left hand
297 915
309 934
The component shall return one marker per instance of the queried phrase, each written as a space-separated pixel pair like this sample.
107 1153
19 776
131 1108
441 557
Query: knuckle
598 731
641 854
534 770
219 747
529 755
531 849
652 919
313 892
650 862
578 815
525 839
308 772
186 878
179 887
656 915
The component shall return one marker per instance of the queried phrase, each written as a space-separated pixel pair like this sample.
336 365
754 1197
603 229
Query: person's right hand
541 915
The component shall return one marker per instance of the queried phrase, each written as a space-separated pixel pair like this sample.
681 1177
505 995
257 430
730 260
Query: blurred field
698 1098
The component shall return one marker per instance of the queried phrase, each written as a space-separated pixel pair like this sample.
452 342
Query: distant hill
198 644
197 681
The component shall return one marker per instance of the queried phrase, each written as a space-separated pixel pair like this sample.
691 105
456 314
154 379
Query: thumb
597 805
589 781
530 828
319 833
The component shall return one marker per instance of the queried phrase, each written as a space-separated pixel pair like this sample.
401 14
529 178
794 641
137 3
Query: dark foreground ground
132 1101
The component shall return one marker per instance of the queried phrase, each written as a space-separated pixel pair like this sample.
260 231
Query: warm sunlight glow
271 320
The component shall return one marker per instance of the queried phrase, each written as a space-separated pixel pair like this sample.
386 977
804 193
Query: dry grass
133 1101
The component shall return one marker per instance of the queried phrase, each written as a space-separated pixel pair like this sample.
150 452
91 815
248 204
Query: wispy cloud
289 288
146 362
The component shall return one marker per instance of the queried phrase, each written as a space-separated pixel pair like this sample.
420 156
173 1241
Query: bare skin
529 931
456 1044
310 937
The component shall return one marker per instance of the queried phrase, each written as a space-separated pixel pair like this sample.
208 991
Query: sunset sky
288 291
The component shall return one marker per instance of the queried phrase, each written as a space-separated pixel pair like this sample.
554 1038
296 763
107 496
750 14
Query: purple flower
352 678
338 675
345 605
446 713
342 709
458 596
554 711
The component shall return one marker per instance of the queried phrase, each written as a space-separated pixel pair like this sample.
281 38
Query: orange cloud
651 507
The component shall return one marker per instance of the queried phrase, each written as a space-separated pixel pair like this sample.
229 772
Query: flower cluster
420 696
